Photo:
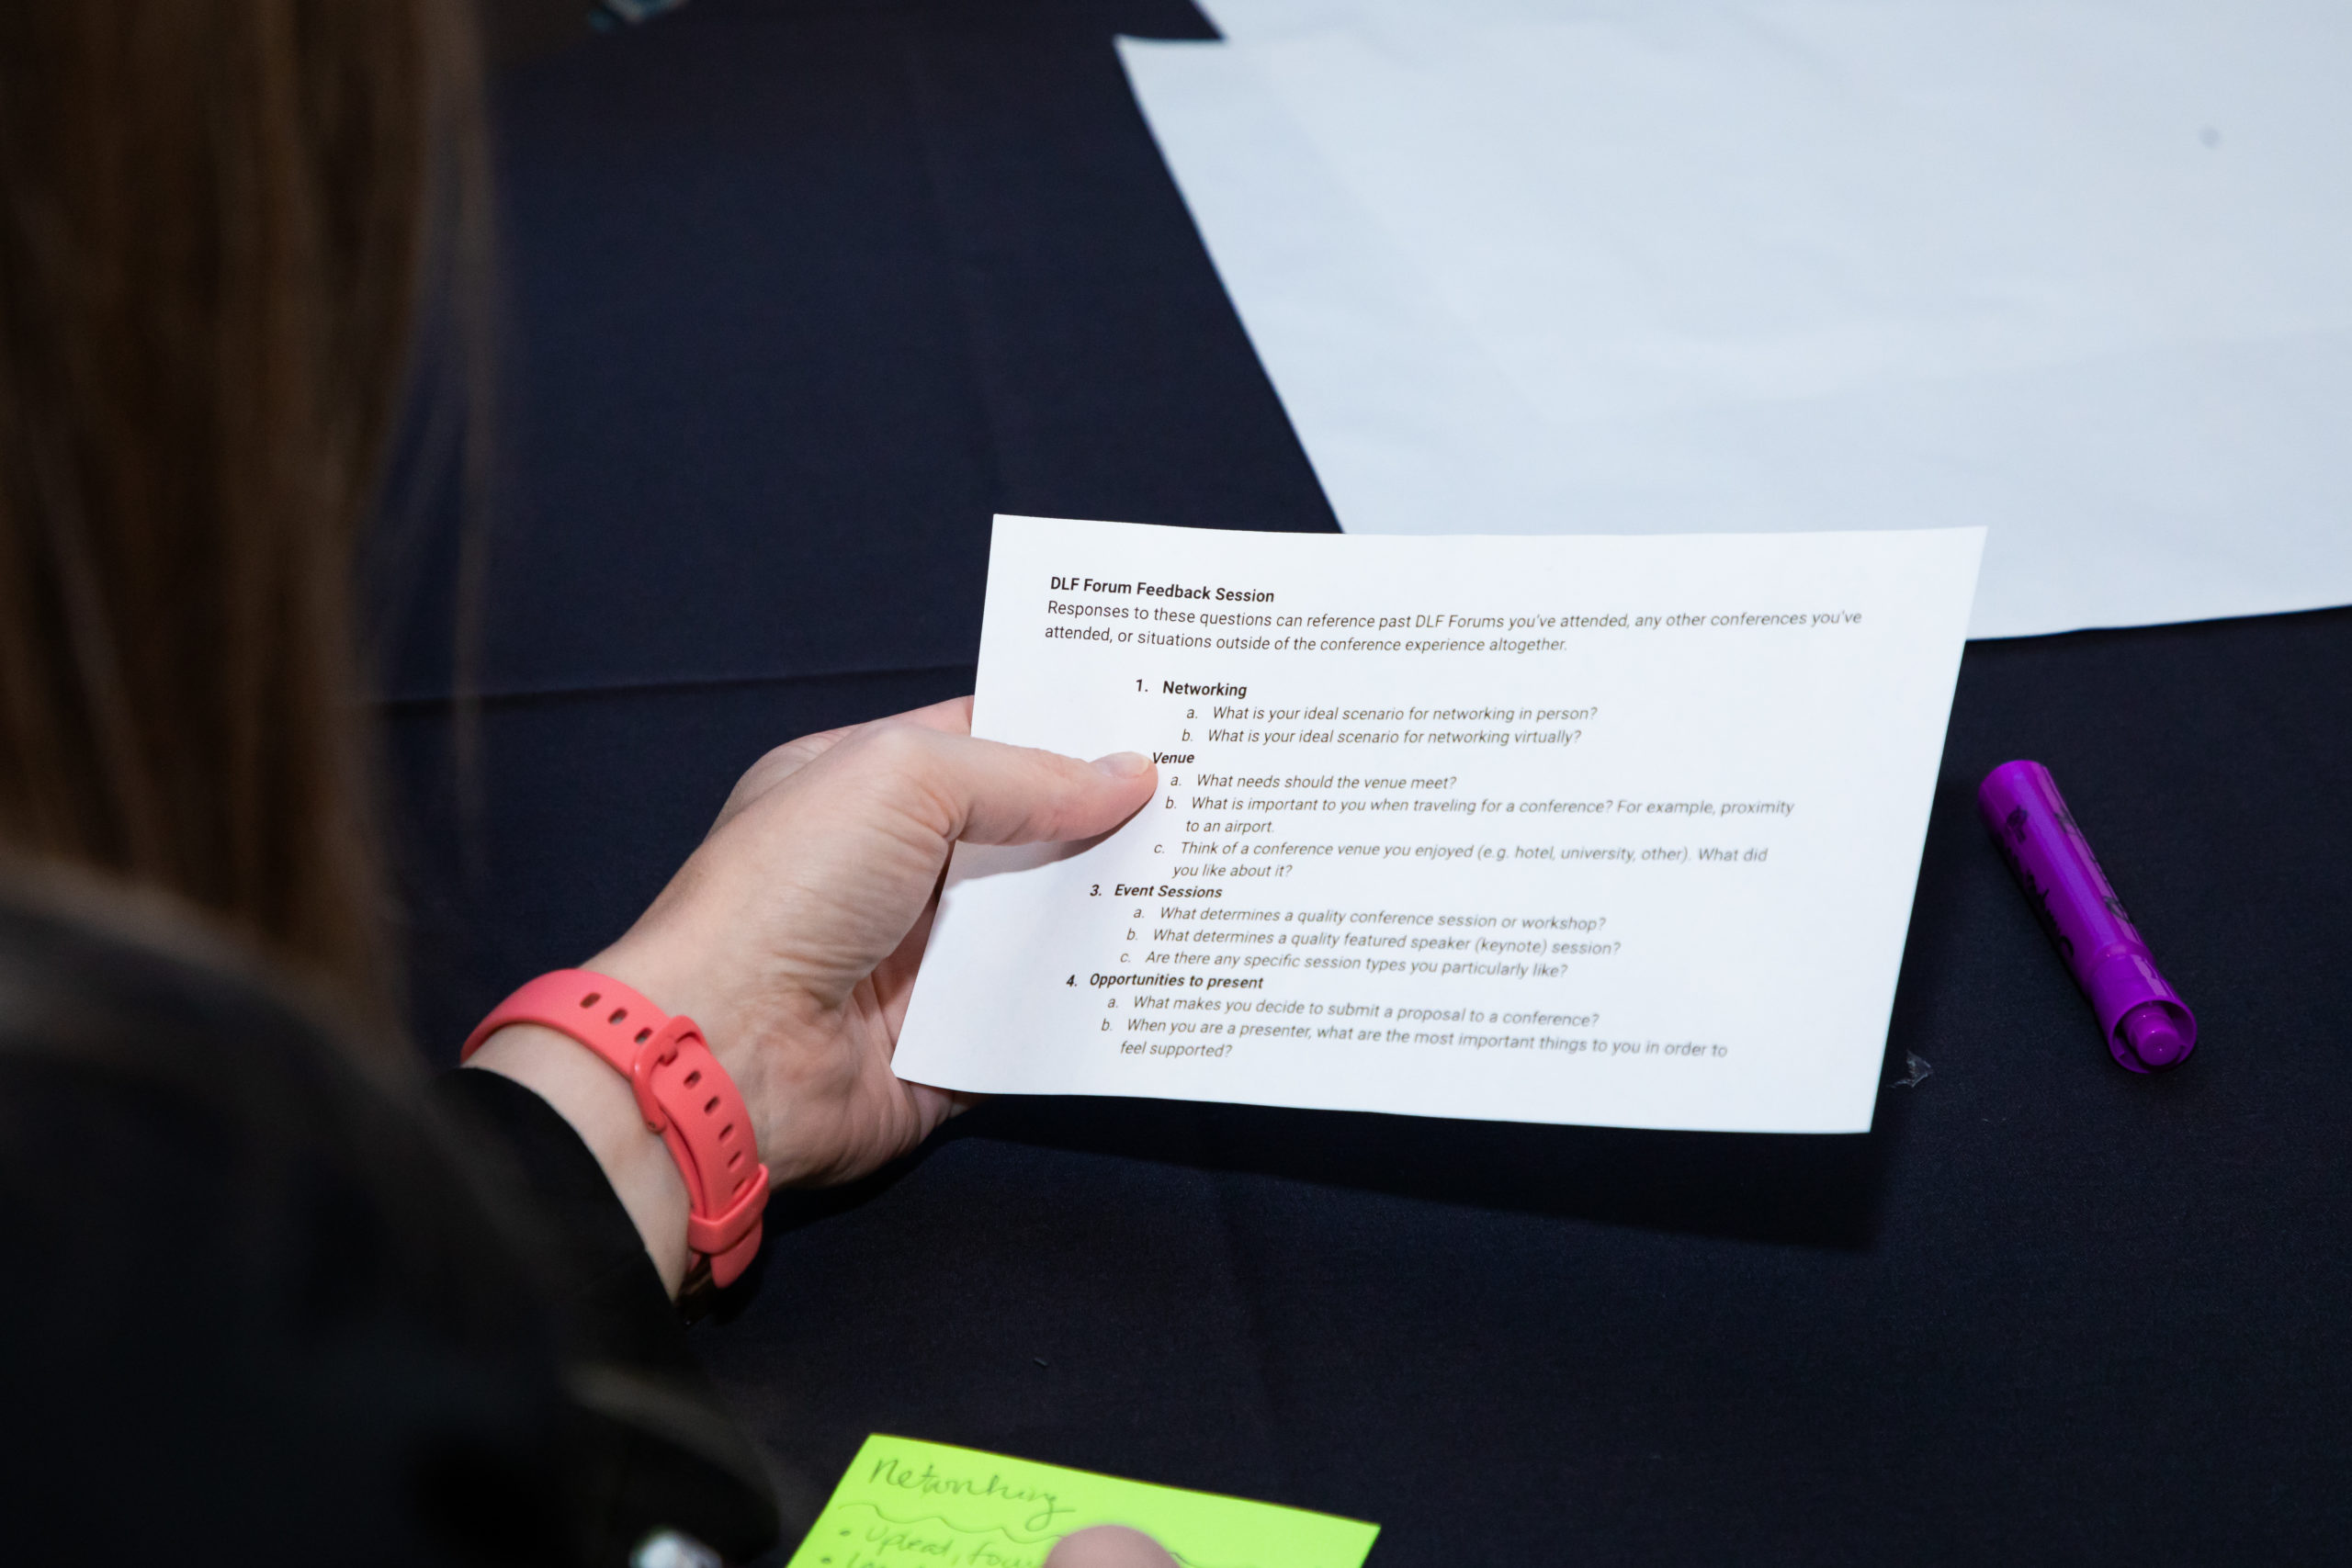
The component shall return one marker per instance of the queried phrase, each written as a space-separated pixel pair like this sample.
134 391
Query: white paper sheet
1614 830
2069 269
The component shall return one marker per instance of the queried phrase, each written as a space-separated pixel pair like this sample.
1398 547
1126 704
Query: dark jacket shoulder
256 1291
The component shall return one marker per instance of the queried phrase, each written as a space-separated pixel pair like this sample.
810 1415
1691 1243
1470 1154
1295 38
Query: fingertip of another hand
1108 1546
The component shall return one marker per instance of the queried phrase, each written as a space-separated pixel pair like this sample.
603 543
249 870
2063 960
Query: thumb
984 792
1073 799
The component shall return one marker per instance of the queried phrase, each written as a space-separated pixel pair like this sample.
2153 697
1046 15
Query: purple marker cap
2147 1024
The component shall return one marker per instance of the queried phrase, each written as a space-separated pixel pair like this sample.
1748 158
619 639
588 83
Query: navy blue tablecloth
796 295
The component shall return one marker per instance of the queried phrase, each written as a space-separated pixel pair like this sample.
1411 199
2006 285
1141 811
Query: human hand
1108 1546
796 930
791 936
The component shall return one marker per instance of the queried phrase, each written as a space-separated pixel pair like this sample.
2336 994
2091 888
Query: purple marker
2147 1024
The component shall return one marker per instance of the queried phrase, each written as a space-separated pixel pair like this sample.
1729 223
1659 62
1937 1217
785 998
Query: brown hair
219 216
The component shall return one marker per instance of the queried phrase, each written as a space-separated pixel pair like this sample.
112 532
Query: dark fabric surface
798 296
260 1309
804 292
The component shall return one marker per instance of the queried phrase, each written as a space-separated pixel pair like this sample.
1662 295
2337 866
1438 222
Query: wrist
602 1109
660 1081
680 975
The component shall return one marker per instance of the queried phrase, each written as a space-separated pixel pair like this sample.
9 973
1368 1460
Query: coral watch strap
681 1090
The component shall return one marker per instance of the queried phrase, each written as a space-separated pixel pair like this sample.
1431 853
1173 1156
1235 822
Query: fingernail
1123 764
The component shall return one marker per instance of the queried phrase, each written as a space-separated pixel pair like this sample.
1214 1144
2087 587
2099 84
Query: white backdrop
2077 271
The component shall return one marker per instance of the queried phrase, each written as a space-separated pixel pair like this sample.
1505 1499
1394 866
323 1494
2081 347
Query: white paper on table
2071 270
1671 889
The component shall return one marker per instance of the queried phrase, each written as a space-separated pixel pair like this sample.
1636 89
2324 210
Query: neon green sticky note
905 1502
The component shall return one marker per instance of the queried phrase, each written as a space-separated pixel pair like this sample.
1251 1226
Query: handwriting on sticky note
906 1503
